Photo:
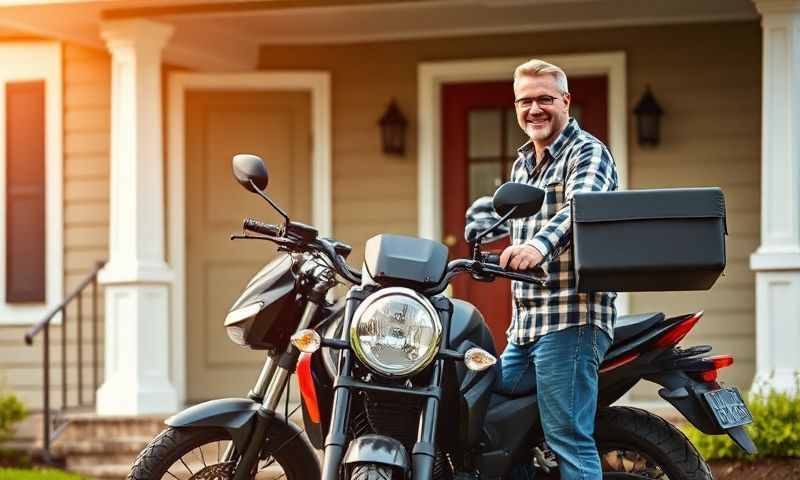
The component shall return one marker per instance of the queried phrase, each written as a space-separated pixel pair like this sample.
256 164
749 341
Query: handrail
43 325
52 313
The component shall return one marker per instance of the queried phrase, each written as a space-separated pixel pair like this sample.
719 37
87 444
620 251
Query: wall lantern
648 115
393 130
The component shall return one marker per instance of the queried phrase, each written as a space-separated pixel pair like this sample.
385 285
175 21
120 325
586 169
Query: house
120 119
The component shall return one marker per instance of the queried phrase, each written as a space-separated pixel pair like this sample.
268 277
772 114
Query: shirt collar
555 149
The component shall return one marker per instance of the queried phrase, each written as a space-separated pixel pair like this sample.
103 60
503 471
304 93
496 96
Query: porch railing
43 326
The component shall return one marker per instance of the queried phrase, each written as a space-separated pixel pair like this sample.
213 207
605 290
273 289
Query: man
557 337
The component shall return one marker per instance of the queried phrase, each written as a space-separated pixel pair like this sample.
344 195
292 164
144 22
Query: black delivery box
649 240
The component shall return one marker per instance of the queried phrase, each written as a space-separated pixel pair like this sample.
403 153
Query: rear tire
659 443
371 471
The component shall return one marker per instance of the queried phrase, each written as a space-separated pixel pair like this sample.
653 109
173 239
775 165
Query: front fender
233 414
377 449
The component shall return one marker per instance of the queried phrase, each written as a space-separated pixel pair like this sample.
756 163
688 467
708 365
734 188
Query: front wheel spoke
172 475
202 457
187 466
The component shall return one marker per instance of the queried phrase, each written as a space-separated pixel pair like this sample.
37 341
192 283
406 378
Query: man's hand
520 257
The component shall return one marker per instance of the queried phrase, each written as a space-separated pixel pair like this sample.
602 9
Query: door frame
431 76
318 84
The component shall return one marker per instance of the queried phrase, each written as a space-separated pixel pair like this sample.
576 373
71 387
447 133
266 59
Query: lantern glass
648 127
393 130
648 115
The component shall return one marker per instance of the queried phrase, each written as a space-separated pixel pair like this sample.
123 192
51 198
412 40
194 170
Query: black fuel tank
467 324
468 329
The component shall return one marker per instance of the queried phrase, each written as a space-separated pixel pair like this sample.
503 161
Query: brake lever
281 242
247 237
501 272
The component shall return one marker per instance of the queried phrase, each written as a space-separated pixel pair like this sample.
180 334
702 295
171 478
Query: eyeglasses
527 102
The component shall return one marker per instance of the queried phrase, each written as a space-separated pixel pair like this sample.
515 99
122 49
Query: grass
36 474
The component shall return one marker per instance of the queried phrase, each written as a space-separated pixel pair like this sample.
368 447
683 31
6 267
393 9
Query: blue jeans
560 368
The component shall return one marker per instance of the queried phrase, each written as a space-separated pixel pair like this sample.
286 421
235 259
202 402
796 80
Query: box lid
648 204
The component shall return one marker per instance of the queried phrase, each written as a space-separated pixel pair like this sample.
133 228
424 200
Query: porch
130 70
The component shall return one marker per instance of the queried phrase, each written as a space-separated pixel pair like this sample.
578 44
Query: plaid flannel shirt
575 162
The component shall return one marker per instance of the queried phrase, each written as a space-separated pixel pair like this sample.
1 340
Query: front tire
634 443
198 452
371 471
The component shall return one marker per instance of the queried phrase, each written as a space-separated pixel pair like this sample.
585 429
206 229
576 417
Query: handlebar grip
492 258
253 225
535 275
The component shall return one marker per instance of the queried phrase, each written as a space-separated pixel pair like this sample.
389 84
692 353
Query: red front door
479 146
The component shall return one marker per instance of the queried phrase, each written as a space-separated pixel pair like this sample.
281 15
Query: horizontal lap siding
707 77
86 196
710 137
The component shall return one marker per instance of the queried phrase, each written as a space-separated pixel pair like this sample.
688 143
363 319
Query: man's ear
567 100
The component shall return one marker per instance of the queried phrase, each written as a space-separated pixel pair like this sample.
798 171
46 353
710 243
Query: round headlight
395 332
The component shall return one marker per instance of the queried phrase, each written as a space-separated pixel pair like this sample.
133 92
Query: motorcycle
397 382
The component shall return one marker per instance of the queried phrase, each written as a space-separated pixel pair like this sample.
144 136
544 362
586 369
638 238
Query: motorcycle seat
629 326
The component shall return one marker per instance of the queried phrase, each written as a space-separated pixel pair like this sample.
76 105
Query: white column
777 260
137 279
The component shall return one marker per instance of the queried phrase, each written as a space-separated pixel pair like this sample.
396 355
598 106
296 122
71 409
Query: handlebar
487 267
328 248
335 251
332 249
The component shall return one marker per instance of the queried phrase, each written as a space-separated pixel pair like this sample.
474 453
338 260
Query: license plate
728 407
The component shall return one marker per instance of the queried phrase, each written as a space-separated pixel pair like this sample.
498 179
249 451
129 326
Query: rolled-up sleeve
591 170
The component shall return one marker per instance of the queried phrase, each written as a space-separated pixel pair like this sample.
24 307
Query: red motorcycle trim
307 389
619 362
676 334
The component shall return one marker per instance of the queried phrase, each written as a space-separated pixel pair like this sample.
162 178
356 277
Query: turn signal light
478 359
307 340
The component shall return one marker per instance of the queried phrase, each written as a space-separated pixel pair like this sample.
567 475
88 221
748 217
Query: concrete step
92 426
122 451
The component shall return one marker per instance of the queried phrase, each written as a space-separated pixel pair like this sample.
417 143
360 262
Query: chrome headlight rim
355 340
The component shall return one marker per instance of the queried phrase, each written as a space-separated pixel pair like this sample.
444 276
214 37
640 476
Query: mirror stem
502 219
276 207
476 249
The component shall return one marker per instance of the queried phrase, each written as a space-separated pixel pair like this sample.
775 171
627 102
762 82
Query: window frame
24 61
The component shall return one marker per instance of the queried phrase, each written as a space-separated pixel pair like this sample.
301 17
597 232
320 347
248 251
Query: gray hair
536 67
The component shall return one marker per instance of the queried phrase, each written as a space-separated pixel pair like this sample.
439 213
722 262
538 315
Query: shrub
11 411
775 430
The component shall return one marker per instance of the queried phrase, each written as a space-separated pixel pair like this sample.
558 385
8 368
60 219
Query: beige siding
86 171
706 76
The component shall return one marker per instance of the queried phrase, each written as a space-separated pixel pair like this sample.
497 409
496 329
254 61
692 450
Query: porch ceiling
217 35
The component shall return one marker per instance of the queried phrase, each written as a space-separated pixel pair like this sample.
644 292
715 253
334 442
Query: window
31 239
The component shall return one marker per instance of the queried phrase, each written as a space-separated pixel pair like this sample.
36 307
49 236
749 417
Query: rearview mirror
247 168
528 200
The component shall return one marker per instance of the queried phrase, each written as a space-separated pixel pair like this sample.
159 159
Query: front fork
424 451
271 384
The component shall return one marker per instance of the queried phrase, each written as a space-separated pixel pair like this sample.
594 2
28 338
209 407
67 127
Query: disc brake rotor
218 471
